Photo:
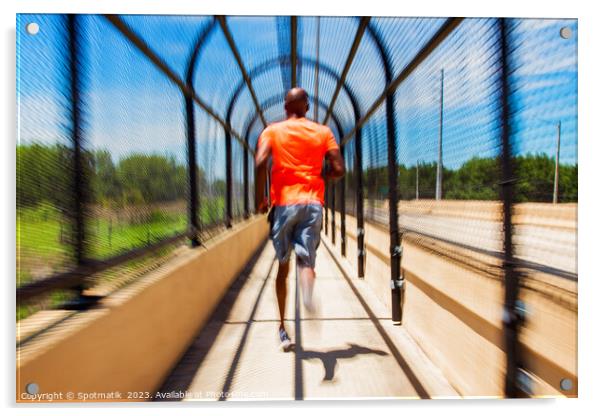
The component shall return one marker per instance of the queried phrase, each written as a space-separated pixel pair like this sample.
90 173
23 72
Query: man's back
298 147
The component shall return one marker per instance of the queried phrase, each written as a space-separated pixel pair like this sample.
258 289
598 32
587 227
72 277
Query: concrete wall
133 340
453 304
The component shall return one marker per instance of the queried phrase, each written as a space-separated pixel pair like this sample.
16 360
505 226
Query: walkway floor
348 348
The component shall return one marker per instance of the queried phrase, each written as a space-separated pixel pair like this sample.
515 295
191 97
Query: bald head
296 102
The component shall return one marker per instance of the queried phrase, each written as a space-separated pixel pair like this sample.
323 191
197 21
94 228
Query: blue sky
131 107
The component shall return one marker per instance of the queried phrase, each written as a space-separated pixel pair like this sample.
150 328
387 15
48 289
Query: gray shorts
298 226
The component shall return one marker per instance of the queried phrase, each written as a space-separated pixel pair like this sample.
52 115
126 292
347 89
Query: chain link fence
137 133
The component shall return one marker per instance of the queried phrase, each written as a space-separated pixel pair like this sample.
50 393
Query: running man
298 147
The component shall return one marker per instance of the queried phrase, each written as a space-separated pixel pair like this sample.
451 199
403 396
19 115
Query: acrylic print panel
446 263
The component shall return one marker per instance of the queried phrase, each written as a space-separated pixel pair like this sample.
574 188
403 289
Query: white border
590 149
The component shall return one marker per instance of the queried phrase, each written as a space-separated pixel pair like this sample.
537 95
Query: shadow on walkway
184 372
329 358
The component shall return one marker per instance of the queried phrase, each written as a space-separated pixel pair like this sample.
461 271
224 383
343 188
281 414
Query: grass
43 246
108 239
41 243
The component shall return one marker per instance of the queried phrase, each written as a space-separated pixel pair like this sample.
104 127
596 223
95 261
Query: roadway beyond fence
545 234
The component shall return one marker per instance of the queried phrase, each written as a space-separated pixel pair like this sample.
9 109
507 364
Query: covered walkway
346 348
448 260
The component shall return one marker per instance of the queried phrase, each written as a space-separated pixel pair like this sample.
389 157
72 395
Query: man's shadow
329 358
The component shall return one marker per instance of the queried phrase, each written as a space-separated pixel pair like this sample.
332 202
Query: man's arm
335 166
261 173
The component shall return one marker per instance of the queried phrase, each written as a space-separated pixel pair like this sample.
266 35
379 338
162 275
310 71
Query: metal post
333 228
557 167
417 191
245 181
326 207
395 249
438 190
228 220
193 192
359 205
79 184
252 172
395 238
511 314
343 212
293 51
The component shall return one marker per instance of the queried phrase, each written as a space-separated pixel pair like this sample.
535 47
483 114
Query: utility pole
440 160
417 192
557 167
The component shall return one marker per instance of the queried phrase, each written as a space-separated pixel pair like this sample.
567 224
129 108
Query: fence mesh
135 131
448 117
211 156
130 138
44 150
544 136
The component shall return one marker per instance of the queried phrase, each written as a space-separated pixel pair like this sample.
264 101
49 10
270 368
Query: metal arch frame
193 207
204 34
395 251
359 34
444 31
293 52
243 71
267 65
249 84
363 24
391 86
275 100
512 317
285 60
157 61
264 67
231 104
188 91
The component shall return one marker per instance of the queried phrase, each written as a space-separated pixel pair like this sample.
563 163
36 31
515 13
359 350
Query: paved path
347 349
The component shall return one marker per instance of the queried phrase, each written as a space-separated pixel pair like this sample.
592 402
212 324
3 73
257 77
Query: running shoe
285 341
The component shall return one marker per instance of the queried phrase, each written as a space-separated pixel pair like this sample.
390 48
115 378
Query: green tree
151 178
476 179
44 175
104 182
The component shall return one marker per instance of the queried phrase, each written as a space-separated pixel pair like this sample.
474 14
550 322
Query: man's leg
280 234
307 239
281 289
308 277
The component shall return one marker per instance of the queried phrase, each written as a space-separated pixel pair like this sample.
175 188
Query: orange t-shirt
298 147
